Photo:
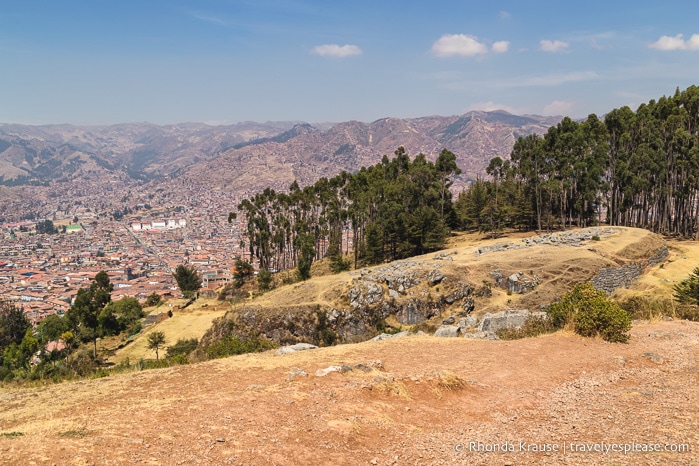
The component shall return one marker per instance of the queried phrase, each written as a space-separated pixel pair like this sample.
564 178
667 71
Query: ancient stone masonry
611 278
565 238
658 257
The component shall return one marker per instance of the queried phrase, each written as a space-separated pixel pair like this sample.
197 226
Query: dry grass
183 325
448 380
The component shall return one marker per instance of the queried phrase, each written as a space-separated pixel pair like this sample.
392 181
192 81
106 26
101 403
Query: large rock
364 294
516 283
434 277
388 336
448 331
467 322
416 311
295 348
506 319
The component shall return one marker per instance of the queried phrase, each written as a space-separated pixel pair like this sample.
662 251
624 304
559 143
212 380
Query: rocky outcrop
388 336
448 331
517 282
365 293
295 348
565 238
416 310
506 319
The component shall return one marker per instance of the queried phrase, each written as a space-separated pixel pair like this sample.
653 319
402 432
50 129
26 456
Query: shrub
182 347
153 299
531 327
687 312
230 345
687 291
641 307
324 335
591 313
265 280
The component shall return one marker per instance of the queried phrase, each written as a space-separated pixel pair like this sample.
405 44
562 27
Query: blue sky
225 61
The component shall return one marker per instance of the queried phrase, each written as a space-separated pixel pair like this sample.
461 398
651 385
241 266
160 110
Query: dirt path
410 409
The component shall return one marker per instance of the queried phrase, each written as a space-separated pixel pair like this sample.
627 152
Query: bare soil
423 404
421 400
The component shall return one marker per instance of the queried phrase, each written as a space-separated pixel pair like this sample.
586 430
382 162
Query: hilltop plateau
412 400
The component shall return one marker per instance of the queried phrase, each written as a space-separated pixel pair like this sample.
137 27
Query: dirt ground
415 400
428 401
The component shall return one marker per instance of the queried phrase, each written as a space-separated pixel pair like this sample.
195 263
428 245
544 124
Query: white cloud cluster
463 45
334 50
676 43
553 45
500 46
491 106
558 107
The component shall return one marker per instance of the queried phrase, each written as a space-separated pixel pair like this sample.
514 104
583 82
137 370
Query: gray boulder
295 348
434 277
388 336
467 322
505 319
448 331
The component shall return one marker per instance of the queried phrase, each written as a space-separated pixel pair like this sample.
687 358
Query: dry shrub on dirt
450 381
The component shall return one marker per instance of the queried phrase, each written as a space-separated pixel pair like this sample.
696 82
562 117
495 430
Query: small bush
591 313
687 312
450 381
425 327
641 307
531 327
182 347
324 335
230 345
687 291
595 238
153 299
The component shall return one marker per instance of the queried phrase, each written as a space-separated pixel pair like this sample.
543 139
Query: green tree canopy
89 303
156 340
188 279
13 324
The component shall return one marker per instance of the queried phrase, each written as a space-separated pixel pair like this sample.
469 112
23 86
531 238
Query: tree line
392 210
637 169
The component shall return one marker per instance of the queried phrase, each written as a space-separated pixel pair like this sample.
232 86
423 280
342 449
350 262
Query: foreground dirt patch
424 403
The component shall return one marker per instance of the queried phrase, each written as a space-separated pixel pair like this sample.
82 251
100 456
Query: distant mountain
306 153
249 156
38 154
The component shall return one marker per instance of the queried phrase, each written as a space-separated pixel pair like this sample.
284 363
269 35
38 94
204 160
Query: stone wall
611 278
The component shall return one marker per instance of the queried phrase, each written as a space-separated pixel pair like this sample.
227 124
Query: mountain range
248 156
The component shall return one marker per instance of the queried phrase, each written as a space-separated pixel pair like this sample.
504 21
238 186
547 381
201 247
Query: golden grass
183 325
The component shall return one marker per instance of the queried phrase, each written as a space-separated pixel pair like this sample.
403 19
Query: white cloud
504 15
553 45
500 46
458 45
555 79
558 107
676 43
334 50
491 106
